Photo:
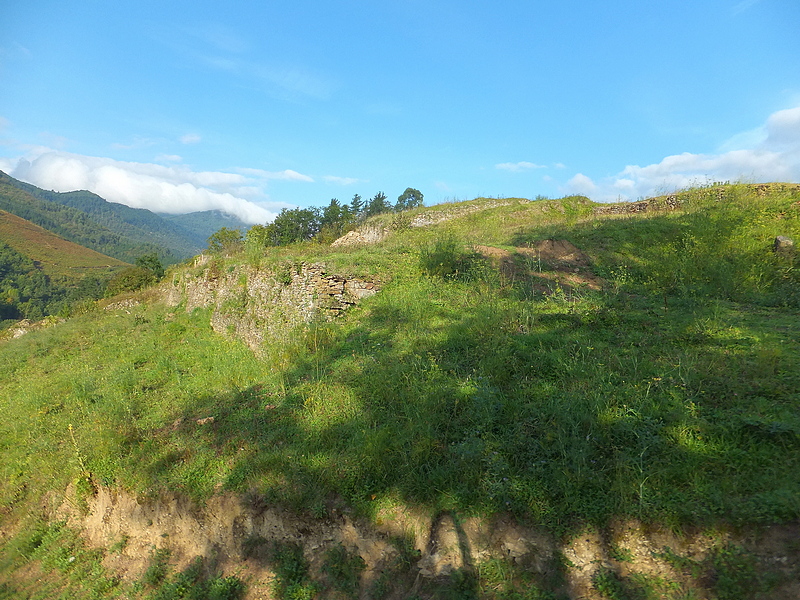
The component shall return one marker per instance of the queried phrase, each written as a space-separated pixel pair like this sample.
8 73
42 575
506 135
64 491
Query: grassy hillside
646 366
55 255
110 228
43 274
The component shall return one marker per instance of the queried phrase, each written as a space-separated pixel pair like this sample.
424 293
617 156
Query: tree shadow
588 413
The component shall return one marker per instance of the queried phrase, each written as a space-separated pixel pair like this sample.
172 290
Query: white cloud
169 158
340 180
767 153
285 175
519 166
220 37
190 138
169 189
138 142
783 130
743 6
581 184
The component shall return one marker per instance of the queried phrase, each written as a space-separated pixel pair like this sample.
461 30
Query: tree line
324 224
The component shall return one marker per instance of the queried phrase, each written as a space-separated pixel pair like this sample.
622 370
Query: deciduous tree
411 198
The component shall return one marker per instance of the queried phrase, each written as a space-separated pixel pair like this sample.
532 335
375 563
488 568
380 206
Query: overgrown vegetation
669 396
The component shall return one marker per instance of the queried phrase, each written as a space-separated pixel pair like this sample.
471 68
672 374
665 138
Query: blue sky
251 107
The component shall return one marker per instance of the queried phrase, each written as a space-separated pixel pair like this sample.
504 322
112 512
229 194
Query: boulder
783 244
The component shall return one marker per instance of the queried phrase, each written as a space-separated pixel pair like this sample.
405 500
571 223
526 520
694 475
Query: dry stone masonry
256 304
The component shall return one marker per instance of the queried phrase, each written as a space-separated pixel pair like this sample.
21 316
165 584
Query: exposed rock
362 236
447 213
372 234
236 532
122 304
24 326
256 304
783 244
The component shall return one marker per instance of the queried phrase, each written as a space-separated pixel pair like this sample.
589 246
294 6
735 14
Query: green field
656 377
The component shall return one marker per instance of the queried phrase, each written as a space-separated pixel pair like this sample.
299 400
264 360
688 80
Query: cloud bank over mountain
171 189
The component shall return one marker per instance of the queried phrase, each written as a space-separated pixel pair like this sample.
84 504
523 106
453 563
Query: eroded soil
547 265
234 533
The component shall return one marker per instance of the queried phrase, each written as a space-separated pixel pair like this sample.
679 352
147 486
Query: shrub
448 258
130 280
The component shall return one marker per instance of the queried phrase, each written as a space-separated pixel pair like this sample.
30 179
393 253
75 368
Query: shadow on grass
589 413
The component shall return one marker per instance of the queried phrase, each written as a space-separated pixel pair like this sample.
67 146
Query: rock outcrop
255 304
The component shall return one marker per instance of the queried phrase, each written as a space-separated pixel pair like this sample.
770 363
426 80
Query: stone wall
255 304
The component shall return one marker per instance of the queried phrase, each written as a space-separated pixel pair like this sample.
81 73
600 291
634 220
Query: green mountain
496 399
205 223
89 220
43 274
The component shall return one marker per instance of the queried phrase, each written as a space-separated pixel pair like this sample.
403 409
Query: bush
130 280
448 258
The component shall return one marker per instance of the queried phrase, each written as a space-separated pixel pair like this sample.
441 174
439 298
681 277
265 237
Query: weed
447 258
284 273
636 586
734 573
158 568
192 583
119 546
343 569
619 553
292 580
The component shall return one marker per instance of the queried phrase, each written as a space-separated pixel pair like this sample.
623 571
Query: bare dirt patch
233 533
547 264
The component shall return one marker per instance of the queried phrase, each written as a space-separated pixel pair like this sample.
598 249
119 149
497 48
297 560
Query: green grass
670 396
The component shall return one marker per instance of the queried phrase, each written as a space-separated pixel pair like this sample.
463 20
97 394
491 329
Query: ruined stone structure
257 303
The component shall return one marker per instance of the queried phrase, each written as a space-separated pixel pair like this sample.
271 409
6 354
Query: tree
356 206
294 225
257 237
331 214
225 241
336 218
377 205
411 198
152 263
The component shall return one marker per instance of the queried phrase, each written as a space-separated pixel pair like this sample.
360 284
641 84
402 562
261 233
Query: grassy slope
57 256
671 396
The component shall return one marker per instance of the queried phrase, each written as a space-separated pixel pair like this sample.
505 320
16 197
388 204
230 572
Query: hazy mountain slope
204 223
43 274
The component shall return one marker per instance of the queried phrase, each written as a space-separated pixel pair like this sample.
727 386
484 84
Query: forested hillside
89 220
43 274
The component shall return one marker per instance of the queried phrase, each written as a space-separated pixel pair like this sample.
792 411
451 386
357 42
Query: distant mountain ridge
204 223
110 228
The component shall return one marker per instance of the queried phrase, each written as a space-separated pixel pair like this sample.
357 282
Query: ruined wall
255 304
